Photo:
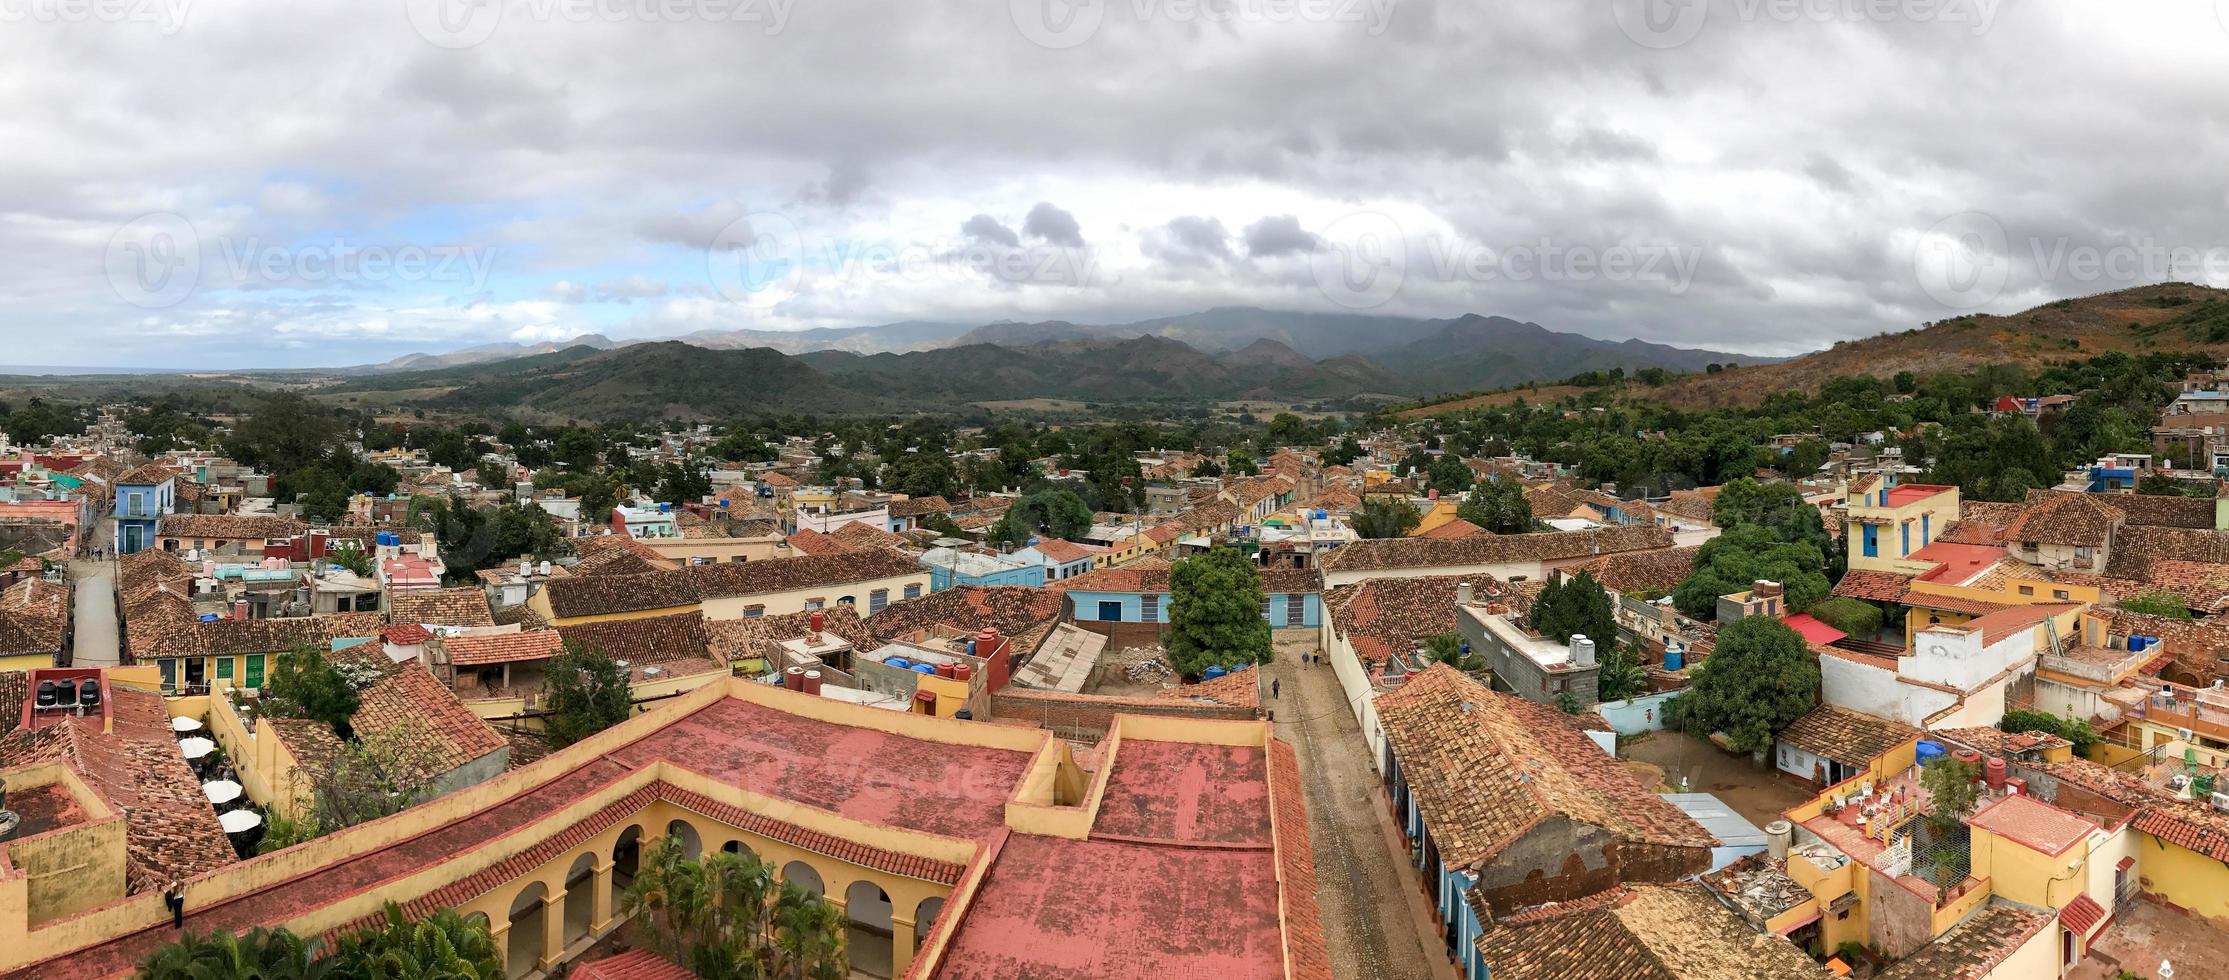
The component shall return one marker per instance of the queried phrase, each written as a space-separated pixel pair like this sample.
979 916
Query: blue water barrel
929 669
2136 644
1674 658
1930 750
1213 673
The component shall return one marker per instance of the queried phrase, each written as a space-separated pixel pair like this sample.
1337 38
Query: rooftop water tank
899 662
2136 644
1930 750
1213 673
1675 658
89 693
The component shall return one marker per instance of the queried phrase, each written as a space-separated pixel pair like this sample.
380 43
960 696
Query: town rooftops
762 636
34 617
644 641
420 712
2073 519
2031 823
1485 768
1381 617
1381 554
1642 571
1021 612
1848 737
1063 551
462 606
488 649
1974 948
146 475
1641 932
597 595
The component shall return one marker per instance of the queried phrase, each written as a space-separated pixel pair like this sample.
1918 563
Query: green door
255 671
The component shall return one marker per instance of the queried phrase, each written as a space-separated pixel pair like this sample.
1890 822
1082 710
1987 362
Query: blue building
143 496
949 567
1060 559
1292 598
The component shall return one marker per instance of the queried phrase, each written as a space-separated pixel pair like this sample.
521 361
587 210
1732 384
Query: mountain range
1222 354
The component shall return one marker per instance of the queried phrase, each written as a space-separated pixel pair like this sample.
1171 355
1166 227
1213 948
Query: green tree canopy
303 684
1215 613
1738 558
727 915
1383 516
1760 676
1053 513
587 693
1498 504
1576 606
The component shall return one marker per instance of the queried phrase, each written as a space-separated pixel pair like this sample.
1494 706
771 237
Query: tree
727 916
1215 613
2158 602
1207 467
1498 504
1738 558
351 556
276 954
1449 474
1575 606
1343 454
1760 676
1383 516
375 776
1447 648
1057 513
441 946
281 831
302 684
684 481
587 693
1622 675
921 474
1855 617
1951 784
2074 730
1239 462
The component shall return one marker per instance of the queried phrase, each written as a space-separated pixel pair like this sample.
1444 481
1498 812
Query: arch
522 952
692 843
580 896
848 600
626 855
803 876
924 918
738 847
869 937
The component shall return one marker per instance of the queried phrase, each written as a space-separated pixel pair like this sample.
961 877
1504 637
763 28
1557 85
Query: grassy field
1544 393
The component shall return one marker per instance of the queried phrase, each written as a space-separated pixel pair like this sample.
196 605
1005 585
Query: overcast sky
193 183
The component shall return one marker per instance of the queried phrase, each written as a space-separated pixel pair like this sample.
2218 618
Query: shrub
1853 616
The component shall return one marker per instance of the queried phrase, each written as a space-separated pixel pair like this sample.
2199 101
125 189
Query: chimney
240 610
813 632
1462 593
1582 650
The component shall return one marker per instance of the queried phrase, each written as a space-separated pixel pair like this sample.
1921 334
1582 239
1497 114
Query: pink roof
1812 629
1898 496
1957 562
2032 823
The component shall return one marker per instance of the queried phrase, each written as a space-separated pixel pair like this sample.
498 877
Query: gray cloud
1052 225
990 231
1278 234
1189 240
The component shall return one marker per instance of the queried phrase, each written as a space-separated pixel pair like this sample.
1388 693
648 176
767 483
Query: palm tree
726 916
262 954
442 946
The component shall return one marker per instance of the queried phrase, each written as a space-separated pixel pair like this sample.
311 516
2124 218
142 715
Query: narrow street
93 633
1375 916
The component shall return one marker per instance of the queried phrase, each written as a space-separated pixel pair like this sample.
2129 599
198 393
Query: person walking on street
1273 684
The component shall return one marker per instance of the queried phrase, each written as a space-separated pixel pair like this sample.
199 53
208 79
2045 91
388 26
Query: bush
2158 603
1856 617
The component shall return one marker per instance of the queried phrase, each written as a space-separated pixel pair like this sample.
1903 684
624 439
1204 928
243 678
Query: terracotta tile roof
634 964
861 535
1337 500
1845 736
806 571
1151 574
1306 955
1485 768
230 527
1640 571
502 648
146 474
416 706
2076 519
1457 528
1239 690
1951 603
2012 620
312 743
597 595
1062 551
1377 554
2202 585
618 554
171 833
810 542
2137 549
1858 583
1018 611
1383 616
34 617
920 506
273 635
1981 522
1972 949
644 640
2151 510
462 606
760 636
1688 505
2032 823
1641 932
2082 915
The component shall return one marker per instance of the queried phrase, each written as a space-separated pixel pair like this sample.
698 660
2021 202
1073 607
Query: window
877 600
1872 541
1110 611
753 612
913 591
1267 604
1296 609
1905 542
255 670
848 601
1150 609
2027 590
816 602
738 559
1923 526
2059 594
224 668
2082 552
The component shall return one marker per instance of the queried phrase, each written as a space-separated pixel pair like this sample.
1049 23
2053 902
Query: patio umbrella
196 748
183 725
240 821
221 792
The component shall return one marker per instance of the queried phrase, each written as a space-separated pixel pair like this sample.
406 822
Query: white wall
1354 684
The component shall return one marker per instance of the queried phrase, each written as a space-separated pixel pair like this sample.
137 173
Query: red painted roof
1908 493
1812 629
634 964
1956 562
1186 792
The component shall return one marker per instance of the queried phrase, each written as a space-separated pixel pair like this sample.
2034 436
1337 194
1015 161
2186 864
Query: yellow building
1885 525
946 844
867 580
